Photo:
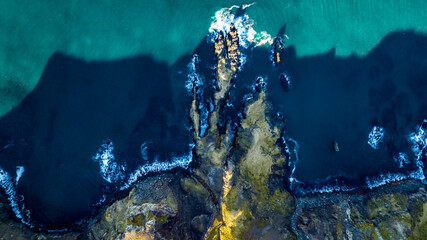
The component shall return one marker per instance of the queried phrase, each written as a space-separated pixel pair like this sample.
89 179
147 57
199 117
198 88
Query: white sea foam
156 166
418 140
15 200
110 170
292 161
376 136
144 151
260 83
248 97
281 39
19 171
382 179
222 20
193 78
101 201
401 159
328 188
242 61
204 116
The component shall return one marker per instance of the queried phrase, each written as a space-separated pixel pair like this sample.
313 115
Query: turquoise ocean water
105 73
106 30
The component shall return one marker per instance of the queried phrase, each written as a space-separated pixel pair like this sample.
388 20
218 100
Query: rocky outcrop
236 187
12 229
227 53
147 212
252 205
278 48
241 176
378 215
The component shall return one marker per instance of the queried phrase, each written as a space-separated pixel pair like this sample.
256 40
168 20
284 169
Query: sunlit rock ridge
237 181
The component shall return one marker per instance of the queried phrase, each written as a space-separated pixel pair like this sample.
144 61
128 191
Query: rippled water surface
92 94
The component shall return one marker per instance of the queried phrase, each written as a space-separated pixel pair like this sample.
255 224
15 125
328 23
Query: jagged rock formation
278 48
227 53
236 188
252 205
375 216
145 213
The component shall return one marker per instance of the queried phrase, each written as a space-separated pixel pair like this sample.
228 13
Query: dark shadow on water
77 105
341 99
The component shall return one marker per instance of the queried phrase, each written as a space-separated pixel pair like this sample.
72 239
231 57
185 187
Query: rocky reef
236 187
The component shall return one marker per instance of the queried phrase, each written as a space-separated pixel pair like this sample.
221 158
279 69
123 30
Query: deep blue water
343 99
78 106
75 108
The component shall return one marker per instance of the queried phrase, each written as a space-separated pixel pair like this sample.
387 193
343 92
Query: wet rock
200 223
145 213
379 216
335 146
278 47
228 61
285 81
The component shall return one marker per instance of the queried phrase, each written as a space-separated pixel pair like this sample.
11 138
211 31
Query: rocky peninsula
237 186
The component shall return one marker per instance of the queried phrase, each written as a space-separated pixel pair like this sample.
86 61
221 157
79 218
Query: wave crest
247 35
110 170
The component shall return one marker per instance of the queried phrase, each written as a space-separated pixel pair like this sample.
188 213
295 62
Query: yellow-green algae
246 199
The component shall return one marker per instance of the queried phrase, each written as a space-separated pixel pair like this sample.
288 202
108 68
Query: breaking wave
19 171
15 200
376 136
157 166
402 159
417 139
193 78
110 170
223 18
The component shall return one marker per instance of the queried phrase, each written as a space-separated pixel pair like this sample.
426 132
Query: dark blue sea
90 129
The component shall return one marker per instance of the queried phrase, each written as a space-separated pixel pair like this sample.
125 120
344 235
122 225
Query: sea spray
223 18
195 80
157 166
376 136
15 200
402 159
110 170
19 171
418 140
144 151
193 77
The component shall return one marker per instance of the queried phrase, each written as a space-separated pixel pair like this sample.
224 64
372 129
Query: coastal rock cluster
237 189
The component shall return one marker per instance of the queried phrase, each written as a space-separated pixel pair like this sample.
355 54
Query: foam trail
7 146
19 171
327 186
193 78
144 149
14 199
402 159
244 25
110 170
156 166
376 136
101 201
418 140
294 163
